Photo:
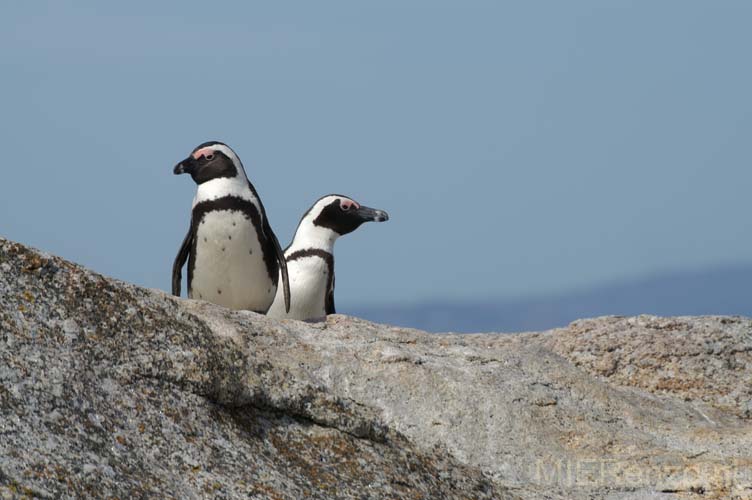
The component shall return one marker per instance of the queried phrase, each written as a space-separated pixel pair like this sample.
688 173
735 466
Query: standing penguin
234 258
310 256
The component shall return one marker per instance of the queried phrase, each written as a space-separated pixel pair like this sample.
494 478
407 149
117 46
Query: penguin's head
211 160
341 214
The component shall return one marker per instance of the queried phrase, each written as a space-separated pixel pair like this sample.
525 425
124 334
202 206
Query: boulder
109 390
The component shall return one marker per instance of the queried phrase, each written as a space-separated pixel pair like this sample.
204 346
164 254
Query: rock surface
108 390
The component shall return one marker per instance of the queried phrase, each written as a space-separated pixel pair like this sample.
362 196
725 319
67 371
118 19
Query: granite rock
108 390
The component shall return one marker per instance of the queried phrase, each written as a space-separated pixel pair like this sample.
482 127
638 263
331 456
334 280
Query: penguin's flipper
180 259
329 299
282 266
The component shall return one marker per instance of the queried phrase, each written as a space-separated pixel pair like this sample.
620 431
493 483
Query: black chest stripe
249 210
328 258
313 252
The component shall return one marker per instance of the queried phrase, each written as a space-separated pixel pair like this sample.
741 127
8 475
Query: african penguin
310 256
234 258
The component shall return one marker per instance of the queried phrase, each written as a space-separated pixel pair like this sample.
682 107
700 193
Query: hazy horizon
615 281
721 290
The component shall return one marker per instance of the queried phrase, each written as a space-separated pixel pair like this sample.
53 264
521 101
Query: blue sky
520 147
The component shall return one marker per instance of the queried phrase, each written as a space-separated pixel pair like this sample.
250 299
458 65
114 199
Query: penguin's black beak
367 214
187 166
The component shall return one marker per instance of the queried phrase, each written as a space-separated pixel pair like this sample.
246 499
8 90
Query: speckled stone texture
108 390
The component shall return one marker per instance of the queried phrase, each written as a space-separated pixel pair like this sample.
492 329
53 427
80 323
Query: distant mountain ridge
725 290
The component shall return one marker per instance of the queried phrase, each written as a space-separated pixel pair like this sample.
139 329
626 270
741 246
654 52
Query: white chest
309 278
229 264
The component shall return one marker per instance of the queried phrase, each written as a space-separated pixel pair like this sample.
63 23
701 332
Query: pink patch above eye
348 204
202 152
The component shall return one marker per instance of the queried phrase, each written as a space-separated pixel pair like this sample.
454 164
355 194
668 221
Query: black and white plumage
310 256
234 258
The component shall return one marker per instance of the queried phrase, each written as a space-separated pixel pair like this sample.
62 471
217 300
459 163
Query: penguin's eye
209 157
345 206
